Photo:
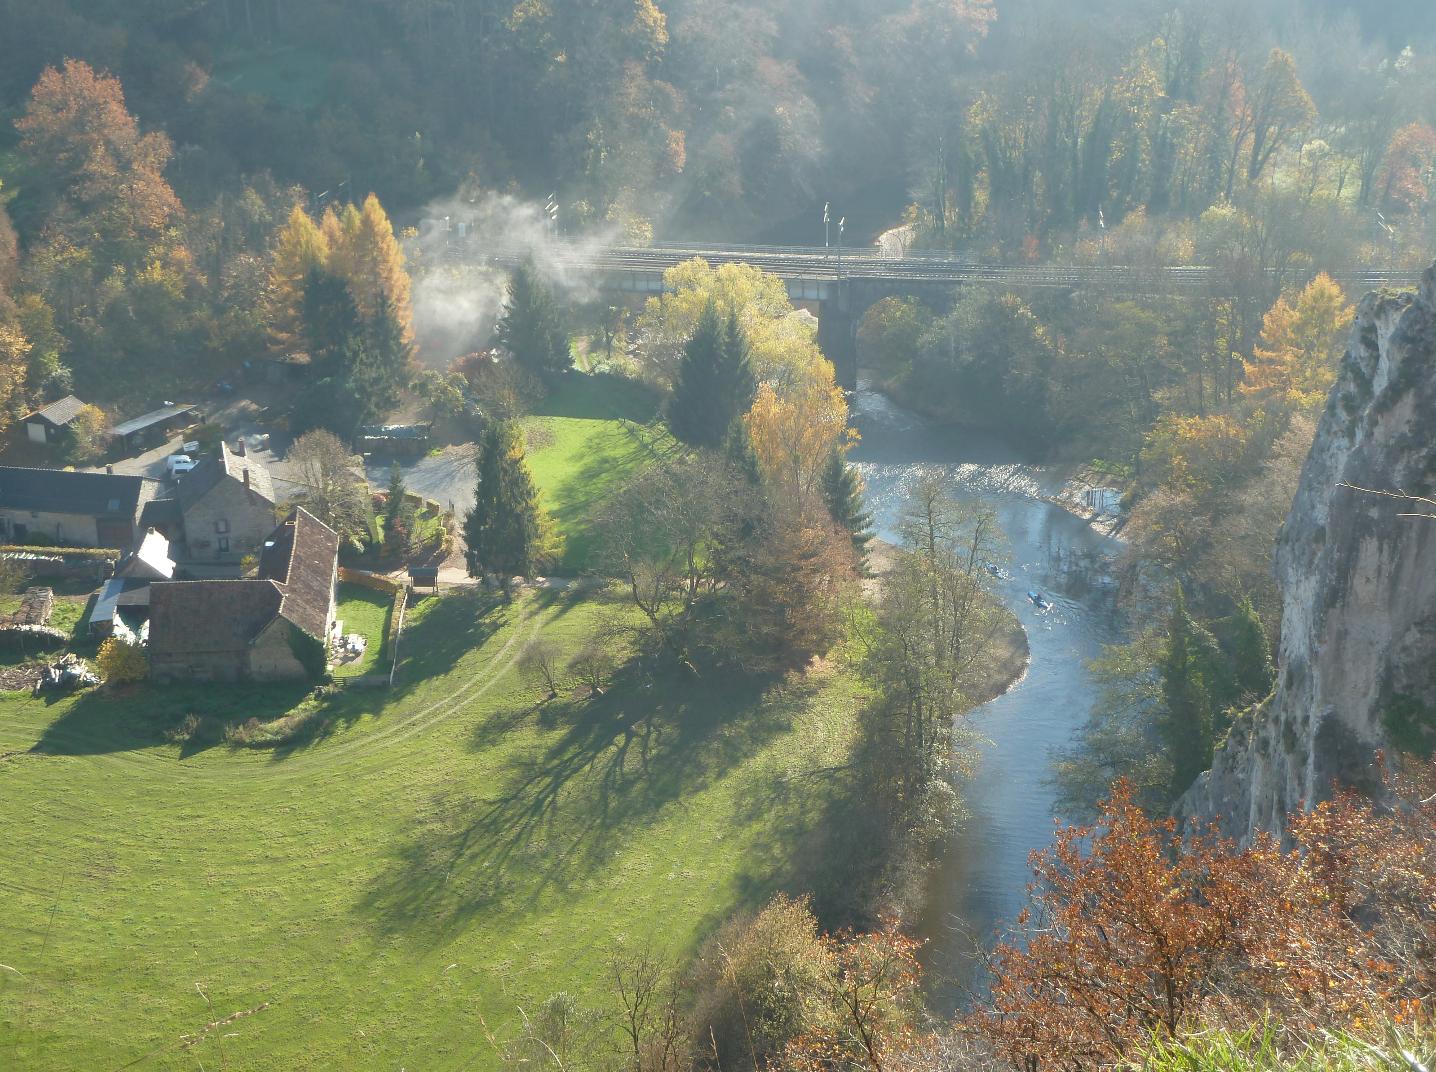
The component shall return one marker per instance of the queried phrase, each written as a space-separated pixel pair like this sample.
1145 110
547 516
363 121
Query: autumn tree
1278 109
373 265
795 432
14 360
300 249
531 328
1140 930
100 176
1296 361
1405 179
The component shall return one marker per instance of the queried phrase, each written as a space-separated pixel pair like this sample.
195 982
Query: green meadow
392 890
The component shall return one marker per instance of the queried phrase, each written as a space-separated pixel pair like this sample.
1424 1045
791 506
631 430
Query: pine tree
329 318
531 328
1251 654
715 384
393 353
843 494
502 532
737 386
692 411
1188 725
394 499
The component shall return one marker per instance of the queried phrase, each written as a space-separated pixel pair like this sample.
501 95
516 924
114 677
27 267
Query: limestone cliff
1358 648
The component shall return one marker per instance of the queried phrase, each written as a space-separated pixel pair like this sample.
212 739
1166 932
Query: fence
398 591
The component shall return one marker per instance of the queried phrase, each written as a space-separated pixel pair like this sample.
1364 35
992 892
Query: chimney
109 470
246 478
239 446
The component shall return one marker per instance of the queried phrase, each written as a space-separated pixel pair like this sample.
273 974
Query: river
980 883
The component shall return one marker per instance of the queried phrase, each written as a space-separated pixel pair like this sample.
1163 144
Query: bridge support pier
838 335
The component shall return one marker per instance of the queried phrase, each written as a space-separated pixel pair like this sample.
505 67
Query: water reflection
981 883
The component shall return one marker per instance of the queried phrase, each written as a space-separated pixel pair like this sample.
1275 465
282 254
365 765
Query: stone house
276 627
225 507
84 509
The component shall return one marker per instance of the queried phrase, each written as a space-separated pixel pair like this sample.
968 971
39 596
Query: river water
980 883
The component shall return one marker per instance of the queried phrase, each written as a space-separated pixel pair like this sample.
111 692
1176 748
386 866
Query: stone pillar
838 334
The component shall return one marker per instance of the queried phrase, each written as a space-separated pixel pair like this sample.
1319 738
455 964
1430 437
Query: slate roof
202 479
59 413
212 617
59 491
300 555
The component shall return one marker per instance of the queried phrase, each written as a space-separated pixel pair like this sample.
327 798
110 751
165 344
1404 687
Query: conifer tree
502 532
531 328
693 409
375 267
714 385
300 249
1188 725
1251 654
394 498
843 494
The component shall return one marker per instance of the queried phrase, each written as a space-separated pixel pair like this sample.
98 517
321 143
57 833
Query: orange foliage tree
106 176
1301 342
1136 931
795 431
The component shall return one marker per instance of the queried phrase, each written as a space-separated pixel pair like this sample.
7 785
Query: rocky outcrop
1358 649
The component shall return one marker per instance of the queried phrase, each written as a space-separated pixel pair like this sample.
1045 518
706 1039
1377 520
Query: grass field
586 439
382 895
367 612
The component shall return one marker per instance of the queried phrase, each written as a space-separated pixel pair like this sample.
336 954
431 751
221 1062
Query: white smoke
457 293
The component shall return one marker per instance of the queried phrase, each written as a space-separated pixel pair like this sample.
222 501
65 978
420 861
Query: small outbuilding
152 428
46 424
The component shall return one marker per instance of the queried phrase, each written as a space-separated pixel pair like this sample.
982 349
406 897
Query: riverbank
1078 487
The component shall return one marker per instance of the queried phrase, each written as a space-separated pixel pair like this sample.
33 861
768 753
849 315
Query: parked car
176 464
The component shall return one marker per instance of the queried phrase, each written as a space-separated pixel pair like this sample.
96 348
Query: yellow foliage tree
1196 453
795 431
375 268
1301 341
14 353
299 248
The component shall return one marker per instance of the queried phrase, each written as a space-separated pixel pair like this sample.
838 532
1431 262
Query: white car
176 464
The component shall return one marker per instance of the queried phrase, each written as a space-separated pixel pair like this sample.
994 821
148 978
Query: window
222 525
223 545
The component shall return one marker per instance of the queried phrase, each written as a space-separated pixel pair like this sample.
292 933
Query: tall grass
1268 1049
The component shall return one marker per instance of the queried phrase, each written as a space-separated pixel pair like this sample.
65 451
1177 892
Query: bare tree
334 489
594 663
650 1011
540 664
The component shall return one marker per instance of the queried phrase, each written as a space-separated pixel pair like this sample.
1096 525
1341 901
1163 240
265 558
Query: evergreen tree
531 328
843 494
1189 724
741 457
715 384
693 409
392 352
1251 654
394 500
329 317
502 532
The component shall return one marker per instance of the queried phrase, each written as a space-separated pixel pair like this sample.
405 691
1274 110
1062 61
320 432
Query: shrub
121 662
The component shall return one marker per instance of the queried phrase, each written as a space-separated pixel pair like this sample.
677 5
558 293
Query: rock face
1358 581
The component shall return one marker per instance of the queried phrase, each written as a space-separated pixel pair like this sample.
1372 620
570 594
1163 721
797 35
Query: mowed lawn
386 893
587 438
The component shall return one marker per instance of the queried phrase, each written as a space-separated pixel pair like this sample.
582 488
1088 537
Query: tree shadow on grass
599 397
572 799
452 627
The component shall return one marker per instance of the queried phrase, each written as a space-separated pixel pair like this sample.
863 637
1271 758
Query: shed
424 576
45 424
152 428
